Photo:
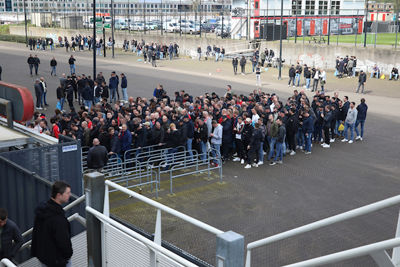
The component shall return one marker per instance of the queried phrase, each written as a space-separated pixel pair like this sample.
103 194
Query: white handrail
7 263
349 254
139 237
166 209
322 223
69 206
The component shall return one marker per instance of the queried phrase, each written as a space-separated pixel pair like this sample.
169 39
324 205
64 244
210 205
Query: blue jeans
297 78
125 94
51 47
216 56
62 103
396 76
53 70
87 103
72 68
216 149
98 51
279 151
189 148
261 152
222 57
113 94
346 127
307 138
44 102
308 83
271 141
300 137
361 123
203 149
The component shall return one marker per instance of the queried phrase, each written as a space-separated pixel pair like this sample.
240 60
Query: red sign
312 27
360 26
299 27
325 27
102 14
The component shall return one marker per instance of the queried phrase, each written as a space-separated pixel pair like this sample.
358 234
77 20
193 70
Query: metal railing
7 263
153 246
334 219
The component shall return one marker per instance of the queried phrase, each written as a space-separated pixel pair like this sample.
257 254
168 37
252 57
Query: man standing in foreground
10 236
51 237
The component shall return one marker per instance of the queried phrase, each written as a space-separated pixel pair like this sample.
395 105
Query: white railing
154 247
7 263
331 220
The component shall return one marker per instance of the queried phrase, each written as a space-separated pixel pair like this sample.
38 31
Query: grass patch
4 29
381 39
12 38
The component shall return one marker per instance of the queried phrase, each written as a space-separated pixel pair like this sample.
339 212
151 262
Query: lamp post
26 25
280 43
180 17
365 23
112 27
94 39
161 17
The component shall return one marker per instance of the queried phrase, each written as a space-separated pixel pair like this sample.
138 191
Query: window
310 7
296 7
335 7
323 7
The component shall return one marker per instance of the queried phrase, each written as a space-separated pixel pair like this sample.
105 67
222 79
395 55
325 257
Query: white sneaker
361 139
236 159
345 140
254 165
260 163
351 141
242 161
326 146
292 153
307 152
279 162
248 166
323 144
297 147
332 140
358 137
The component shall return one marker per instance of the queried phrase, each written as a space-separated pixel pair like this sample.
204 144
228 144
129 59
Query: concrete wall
321 56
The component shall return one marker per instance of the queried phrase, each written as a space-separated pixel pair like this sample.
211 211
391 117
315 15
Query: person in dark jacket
53 65
308 129
71 62
97 156
10 236
51 236
292 75
201 137
125 139
124 86
173 141
113 85
235 63
326 125
227 137
157 134
279 142
292 126
31 62
187 135
39 94
243 65
254 146
362 79
36 62
362 109
115 147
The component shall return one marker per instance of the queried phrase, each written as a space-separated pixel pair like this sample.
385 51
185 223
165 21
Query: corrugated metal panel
79 258
123 250
164 261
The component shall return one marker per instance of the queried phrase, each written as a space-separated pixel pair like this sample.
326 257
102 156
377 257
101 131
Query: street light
112 27
94 39
365 23
280 44
26 26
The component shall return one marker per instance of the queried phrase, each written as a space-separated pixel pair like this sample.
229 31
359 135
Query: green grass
12 38
381 39
4 29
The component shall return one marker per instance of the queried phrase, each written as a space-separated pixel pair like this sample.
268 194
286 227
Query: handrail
322 223
349 254
69 206
166 209
150 244
71 218
7 263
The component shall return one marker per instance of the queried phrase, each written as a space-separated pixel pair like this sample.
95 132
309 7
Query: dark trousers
226 149
71 103
235 69
39 100
326 134
36 68
253 153
291 140
30 68
243 69
240 149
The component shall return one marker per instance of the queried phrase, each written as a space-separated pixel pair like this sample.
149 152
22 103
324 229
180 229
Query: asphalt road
270 199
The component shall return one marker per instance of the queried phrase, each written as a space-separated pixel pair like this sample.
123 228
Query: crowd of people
240 127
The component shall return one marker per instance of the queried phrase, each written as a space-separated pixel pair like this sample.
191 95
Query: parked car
138 26
120 25
171 27
191 29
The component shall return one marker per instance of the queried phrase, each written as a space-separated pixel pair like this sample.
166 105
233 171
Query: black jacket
31 60
173 139
11 240
362 78
97 157
292 124
292 72
281 134
53 63
51 237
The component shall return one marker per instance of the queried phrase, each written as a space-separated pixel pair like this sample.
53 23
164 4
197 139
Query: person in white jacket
322 77
350 122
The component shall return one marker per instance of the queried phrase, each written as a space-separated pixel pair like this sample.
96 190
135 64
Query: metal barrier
376 250
150 252
7 263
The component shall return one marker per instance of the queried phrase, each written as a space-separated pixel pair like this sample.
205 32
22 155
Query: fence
376 250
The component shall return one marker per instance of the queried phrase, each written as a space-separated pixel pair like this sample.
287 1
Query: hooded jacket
51 237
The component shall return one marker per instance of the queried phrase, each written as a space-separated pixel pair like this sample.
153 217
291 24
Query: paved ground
267 200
